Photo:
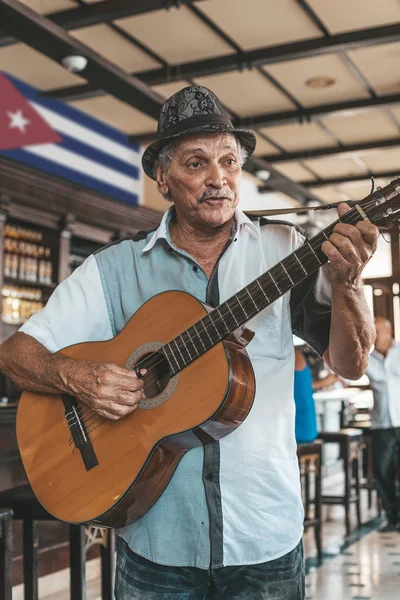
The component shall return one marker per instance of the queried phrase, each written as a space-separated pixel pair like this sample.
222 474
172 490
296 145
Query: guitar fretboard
250 300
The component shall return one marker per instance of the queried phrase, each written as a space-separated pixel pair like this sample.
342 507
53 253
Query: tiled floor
365 566
367 570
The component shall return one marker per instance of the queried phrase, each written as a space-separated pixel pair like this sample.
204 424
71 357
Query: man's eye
195 164
231 161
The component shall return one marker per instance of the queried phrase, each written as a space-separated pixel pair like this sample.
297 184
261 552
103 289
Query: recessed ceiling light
263 174
320 82
74 63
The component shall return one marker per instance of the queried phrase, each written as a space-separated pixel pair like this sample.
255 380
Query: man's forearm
352 332
31 366
111 391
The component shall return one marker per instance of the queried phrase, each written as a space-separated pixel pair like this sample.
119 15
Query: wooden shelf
24 283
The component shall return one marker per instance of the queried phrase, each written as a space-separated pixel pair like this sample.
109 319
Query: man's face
383 330
203 179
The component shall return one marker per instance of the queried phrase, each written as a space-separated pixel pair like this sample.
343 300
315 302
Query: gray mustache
216 194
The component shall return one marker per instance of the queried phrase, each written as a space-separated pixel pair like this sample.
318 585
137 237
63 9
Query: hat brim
247 140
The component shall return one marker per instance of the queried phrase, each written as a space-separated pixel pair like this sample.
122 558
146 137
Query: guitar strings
92 421
102 419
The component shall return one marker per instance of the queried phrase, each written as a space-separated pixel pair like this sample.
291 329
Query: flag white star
18 121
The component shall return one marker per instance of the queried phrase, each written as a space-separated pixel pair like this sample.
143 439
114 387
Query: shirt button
195 269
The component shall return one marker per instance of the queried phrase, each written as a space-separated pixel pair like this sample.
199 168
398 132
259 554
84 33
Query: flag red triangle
20 124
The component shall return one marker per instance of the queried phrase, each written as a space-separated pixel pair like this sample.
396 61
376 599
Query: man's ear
162 185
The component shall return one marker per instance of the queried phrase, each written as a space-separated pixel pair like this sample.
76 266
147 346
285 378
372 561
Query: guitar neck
252 299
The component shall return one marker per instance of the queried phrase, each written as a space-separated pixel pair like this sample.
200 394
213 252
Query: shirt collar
243 220
162 233
391 347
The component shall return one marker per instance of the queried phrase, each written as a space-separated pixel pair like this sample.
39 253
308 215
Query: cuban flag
51 136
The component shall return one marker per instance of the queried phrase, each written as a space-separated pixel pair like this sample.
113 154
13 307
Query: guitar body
135 457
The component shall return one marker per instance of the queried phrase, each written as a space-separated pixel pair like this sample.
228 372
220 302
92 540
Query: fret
324 234
213 324
252 299
193 344
186 348
237 298
261 288
312 250
276 285
300 263
179 350
206 330
169 362
199 336
229 308
287 274
222 319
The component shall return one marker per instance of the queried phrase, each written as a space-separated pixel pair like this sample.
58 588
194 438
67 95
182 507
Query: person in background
304 385
306 418
384 375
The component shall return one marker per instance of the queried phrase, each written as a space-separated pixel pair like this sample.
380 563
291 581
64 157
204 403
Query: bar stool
5 554
350 443
24 505
310 459
367 481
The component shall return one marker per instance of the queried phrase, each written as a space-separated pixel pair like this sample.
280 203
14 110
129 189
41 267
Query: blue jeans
140 579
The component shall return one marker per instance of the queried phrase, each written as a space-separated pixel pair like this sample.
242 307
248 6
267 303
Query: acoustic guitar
199 387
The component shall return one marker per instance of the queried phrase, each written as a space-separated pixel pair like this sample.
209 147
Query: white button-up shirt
384 376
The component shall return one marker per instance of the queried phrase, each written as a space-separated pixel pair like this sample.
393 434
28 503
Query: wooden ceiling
317 81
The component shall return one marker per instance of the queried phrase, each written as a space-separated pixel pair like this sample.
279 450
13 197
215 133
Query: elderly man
384 377
229 524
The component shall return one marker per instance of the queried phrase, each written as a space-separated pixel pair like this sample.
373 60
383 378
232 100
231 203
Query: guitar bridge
79 432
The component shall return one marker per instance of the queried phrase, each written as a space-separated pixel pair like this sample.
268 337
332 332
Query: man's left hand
349 249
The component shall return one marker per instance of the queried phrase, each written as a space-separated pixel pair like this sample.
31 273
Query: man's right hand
111 391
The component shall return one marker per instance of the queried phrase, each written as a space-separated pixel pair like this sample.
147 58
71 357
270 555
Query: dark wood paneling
39 199
32 195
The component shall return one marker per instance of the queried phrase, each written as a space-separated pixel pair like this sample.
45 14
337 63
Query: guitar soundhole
157 376
158 385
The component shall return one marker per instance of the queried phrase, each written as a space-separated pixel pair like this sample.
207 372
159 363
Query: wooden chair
310 459
24 506
5 554
350 443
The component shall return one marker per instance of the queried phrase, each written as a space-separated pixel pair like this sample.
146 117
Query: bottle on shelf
20 303
25 256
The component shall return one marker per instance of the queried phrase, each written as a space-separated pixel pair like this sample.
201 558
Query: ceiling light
320 82
74 63
263 174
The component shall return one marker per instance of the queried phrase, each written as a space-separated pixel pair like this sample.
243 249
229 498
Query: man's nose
215 176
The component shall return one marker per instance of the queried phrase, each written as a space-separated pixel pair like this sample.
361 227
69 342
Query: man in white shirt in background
384 375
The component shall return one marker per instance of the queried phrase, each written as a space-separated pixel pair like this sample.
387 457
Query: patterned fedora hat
194 109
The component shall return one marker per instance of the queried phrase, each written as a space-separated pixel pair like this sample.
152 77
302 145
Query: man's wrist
63 372
348 288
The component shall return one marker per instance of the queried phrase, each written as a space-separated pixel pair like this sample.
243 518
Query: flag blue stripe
98 156
67 173
72 113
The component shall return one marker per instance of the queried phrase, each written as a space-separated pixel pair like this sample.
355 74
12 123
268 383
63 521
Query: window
380 264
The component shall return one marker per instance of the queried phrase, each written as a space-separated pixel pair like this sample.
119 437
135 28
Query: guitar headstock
382 207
